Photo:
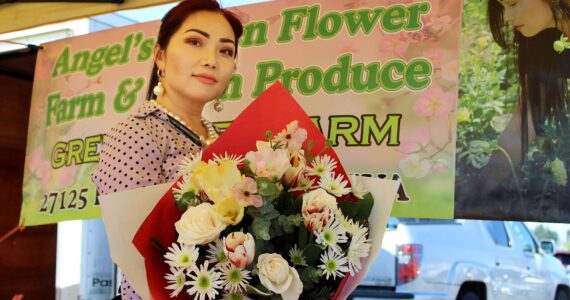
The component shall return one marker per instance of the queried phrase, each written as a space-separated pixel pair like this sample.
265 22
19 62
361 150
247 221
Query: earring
218 105
158 90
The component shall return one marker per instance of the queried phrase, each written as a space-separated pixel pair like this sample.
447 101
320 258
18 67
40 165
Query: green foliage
544 233
488 91
187 199
357 211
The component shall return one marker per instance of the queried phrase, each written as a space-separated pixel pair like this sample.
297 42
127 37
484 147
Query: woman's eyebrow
207 35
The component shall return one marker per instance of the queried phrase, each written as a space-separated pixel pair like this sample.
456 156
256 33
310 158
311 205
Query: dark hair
542 72
174 18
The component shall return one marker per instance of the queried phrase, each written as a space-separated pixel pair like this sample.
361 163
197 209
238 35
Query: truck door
525 248
505 276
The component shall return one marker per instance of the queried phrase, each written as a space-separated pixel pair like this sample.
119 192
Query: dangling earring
218 105
158 90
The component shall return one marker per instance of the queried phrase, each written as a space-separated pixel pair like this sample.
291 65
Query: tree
544 233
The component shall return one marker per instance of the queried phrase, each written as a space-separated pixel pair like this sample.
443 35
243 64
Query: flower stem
513 171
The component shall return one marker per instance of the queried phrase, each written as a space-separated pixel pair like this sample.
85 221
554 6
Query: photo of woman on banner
525 177
195 57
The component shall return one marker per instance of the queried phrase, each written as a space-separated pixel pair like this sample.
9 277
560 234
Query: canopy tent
18 16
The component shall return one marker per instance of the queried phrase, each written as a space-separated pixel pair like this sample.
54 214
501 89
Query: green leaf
187 199
357 211
260 228
312 253
311 274
265 187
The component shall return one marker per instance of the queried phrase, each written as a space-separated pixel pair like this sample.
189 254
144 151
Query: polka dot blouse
145 149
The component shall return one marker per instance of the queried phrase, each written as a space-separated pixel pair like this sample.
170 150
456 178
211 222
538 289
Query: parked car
464 260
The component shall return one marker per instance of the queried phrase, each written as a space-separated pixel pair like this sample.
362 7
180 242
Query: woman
527 28
195 58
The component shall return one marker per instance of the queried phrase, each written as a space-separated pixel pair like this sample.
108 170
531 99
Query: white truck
463 260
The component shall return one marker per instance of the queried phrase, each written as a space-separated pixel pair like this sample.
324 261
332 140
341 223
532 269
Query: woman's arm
499 166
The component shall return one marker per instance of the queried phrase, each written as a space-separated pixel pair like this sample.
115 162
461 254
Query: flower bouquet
266 212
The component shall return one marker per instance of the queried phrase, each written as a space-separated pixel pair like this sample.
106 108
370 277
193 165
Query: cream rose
319 208
276 275
199 225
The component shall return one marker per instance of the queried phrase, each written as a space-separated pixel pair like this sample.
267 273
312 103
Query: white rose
199 225
276 275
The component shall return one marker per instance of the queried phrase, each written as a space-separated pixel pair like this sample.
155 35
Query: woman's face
199 60
529 17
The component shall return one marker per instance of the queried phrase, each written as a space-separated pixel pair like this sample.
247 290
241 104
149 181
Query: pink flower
434 102
244 193
436 56
266 162
239 248
440 166
59 178
420 35
292 136
36 165
439 25
413 143
394 44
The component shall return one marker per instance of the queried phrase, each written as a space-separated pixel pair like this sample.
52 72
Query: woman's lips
207 79
518 27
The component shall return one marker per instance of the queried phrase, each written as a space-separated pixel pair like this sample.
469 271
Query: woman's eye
193 42
228 52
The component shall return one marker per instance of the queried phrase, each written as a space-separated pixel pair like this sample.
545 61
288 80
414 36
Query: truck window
498 232
522 237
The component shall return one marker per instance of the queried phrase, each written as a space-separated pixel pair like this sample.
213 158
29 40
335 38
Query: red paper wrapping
272 111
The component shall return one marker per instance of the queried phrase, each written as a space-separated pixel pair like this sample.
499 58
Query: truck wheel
469 295
561 295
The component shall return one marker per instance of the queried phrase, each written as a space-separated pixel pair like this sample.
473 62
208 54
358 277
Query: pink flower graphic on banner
420 36
439 25
440 166
36 165
450 71
59 178
435 102
413 143
436 56
394 44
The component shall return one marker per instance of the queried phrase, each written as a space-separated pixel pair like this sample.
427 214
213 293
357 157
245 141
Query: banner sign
379 78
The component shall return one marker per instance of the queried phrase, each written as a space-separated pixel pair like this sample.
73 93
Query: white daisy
334 185
216 252
234 278
359 248
181 256
321 165
350 226
332 235
183 187
304 183
204 283
235 296
297 257
238 159
334 264
176 279
187 165
358 187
